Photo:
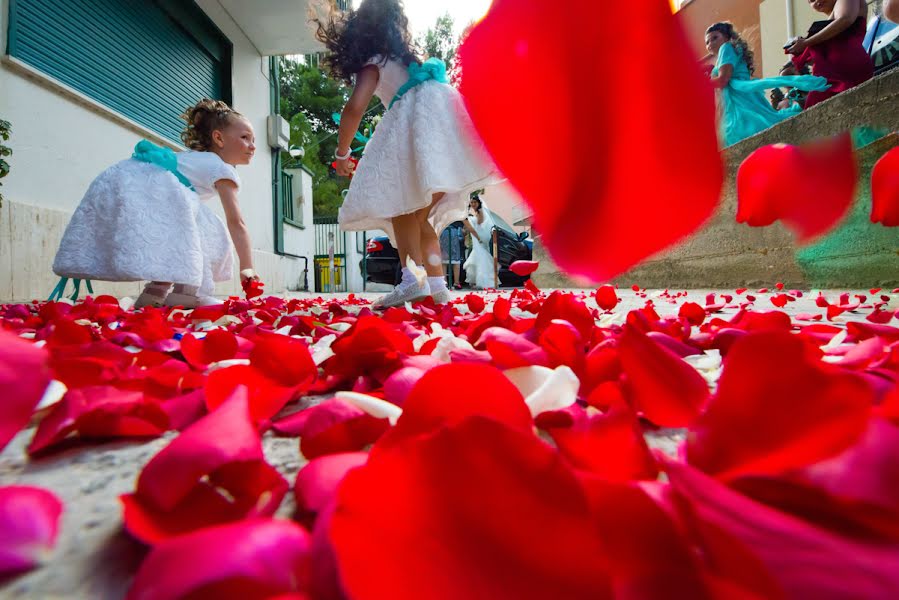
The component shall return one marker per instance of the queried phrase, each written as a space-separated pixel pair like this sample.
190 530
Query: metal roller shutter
145 59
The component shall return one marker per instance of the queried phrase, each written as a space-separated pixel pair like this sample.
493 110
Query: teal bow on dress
164 158
432 69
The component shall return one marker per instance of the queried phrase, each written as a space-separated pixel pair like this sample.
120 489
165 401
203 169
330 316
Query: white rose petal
379 409
545 389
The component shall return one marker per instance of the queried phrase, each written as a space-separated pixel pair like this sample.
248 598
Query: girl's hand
248 275
798 47
344 167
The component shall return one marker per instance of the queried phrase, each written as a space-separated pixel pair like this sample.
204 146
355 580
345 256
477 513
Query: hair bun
203 118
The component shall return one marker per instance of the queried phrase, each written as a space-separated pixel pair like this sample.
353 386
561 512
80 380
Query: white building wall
61 140
776 29
301 240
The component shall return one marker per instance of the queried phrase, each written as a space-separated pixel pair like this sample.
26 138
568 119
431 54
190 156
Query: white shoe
189 301
402 294
443 296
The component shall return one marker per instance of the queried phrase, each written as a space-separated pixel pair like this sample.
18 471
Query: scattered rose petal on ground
250 559
29 525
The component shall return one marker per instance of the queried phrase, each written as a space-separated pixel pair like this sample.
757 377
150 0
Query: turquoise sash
164 158
432 69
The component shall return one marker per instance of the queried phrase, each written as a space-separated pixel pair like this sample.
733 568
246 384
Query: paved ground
95 560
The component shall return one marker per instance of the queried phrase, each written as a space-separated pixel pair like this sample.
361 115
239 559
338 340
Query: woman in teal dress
744 109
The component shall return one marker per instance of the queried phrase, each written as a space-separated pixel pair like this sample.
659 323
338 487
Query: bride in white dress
479 265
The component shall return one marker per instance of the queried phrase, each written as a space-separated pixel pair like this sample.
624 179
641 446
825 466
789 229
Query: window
145 59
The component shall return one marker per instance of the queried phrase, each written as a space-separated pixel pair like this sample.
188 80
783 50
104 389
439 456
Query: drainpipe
791 20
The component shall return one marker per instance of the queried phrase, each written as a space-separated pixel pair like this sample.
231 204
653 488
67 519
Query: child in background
146 218
423 159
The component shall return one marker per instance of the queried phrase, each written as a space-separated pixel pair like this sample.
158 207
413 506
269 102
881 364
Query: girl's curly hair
202 119
376 28
726 28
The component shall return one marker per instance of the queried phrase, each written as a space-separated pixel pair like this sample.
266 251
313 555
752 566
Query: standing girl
424 158
744 110
145 218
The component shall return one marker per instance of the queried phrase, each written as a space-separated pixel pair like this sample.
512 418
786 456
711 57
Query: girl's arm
845 12
240 235
366 82
725 72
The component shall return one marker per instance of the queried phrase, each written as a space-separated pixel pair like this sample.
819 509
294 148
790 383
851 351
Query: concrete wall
725 254
776 29
62 140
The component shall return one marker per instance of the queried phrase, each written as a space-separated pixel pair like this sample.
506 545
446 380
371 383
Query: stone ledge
728 254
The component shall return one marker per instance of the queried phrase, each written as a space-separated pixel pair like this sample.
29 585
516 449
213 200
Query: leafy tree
440 42
309 98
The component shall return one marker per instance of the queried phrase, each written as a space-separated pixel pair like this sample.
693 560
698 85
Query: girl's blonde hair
202 119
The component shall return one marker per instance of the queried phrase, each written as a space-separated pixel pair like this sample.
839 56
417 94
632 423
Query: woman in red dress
834 47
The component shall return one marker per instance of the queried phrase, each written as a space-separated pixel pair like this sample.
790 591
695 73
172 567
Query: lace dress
424 144
137 222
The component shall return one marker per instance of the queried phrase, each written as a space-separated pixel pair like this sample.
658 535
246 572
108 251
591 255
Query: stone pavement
94 559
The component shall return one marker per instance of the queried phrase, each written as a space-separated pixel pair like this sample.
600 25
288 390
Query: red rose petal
807 561
100 412
317 482
522 535
266 396
693 313
770 186
29 525
647 555
370 347
475 303
218 345
332 427
777 407
864 331
523 268
251 559
510 350
667 390
566 307
889 408
606 298
214 471
780 300
233 492
24 375
674 201
610 446
284 360
885 190
451 393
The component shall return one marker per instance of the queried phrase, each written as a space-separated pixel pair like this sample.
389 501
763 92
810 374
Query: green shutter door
145 59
